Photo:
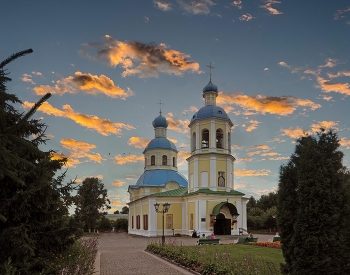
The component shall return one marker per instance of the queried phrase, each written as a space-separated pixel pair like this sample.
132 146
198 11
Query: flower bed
267 244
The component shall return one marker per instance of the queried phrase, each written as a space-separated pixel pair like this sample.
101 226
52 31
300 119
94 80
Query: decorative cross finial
160 106
211 67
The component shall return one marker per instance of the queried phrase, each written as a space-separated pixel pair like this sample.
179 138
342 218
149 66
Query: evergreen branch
14 56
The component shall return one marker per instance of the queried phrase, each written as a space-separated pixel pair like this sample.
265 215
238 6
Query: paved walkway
125 254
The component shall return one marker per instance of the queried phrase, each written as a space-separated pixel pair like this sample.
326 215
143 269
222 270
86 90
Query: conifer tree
34 222
314 208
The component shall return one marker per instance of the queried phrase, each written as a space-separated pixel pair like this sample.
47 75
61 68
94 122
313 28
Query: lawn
222 259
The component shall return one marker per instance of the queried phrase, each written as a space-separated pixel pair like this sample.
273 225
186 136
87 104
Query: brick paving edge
175 265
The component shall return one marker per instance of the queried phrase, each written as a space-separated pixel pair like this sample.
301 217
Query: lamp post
166 207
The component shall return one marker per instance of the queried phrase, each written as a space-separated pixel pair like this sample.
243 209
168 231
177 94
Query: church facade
207 202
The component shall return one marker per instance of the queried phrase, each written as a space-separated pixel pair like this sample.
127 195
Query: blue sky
282 69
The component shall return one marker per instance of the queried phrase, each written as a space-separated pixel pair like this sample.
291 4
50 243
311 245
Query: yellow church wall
145 209
191 212
176 210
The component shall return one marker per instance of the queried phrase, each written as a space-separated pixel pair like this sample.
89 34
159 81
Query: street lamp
166 207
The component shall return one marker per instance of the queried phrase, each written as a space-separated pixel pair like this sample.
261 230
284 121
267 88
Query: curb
98 263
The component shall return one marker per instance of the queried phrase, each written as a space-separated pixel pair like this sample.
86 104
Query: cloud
293 69
237 4
151 59
325 125
164 6
279 158
173 140
177 125
27 78
118 183
119 159
252 173
294 132
138 142
326 97
240 160
103 126
257 149
345 142
266 69
268 4
192 109
283 106
91 84
246 17
70 161
270 154
253 126
196 7
327 87
236 147
80 149
182 156
338 74
340 13
330 63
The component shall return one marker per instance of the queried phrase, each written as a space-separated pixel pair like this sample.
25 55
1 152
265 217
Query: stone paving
125 254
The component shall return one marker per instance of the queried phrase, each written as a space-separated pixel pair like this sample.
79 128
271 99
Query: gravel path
125 254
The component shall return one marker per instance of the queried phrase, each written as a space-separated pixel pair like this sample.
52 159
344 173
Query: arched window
193 142
205 138
174 161
221 179
219 138
164 160
153 160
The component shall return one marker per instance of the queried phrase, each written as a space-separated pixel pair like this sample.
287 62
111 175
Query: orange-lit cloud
293 69
294 132
268 6
324 124
80 149
253 126
240 160
196 7
182 156
270 154
177 125
173 140
138 142
345 142
71 162
104 126
236 147
164 6
252 173
246 17
284 105
326 97
192 109
338 74
257 149
145 60
327 87
120 159
91 84
27 78
279 158
237 4
118 183
330 63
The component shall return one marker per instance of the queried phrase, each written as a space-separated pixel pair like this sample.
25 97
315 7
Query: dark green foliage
91 202
313 208
125 210
104 224
116 212
267 201
121 225
34 221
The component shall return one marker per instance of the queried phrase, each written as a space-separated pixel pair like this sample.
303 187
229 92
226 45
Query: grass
231 259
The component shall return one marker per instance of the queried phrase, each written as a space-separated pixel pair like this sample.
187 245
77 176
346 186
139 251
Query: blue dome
210 87
160 177
160 121
210 111
161 142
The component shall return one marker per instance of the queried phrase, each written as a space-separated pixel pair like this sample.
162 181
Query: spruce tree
314 208
34 221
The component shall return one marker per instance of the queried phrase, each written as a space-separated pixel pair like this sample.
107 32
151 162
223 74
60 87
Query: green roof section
233 209
208 191
179 192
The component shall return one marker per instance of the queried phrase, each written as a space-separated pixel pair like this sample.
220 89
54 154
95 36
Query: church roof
160 121
210 87
208 191
210 111
159 177
161 142
179 192
183 191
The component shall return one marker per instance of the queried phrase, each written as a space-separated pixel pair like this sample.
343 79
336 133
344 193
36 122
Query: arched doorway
222 225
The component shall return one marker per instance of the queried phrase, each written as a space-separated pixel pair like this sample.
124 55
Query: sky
282 70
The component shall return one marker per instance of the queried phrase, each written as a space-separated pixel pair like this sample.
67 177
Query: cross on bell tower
211 67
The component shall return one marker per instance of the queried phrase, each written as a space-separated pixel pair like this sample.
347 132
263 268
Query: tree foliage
34 221
125 210
121 225
92 202
314 208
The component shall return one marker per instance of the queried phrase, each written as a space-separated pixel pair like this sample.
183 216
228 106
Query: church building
162 198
